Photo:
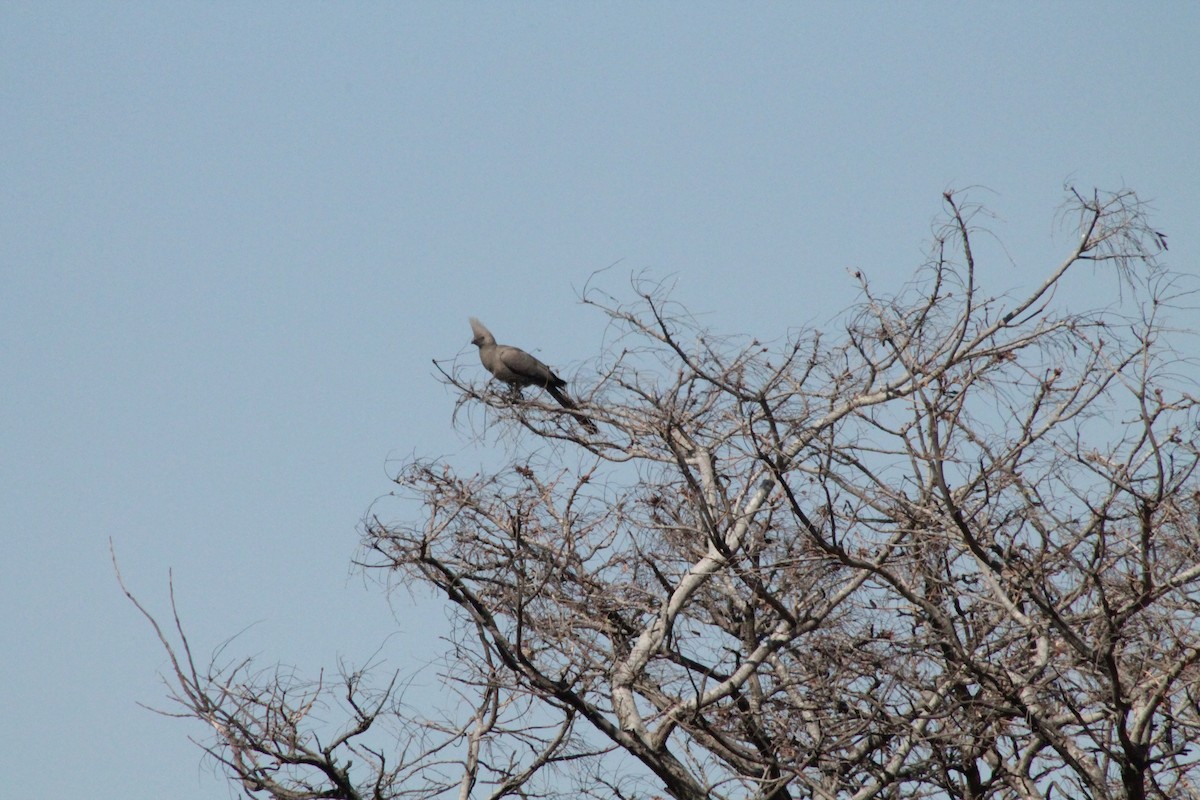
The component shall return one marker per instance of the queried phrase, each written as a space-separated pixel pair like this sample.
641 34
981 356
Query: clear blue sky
233 235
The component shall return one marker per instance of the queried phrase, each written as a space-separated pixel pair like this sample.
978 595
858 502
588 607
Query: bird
518 369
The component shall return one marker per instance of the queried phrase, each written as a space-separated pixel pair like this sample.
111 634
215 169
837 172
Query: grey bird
517 368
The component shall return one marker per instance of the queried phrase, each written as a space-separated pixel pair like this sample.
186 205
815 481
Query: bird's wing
526 367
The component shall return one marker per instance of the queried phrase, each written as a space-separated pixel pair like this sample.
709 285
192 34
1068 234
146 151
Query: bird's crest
481 334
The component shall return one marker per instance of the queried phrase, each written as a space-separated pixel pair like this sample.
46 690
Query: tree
951 551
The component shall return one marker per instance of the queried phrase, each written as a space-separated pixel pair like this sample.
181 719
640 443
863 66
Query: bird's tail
569 404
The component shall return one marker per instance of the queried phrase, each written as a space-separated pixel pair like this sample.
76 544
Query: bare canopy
947 550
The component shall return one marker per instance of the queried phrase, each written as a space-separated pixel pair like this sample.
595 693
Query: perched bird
517 368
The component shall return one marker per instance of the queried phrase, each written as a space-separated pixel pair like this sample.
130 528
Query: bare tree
951 550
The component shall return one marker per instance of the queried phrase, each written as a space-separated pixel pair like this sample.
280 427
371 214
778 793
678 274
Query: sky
233 236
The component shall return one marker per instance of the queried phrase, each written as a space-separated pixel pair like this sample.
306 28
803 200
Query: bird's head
482 335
